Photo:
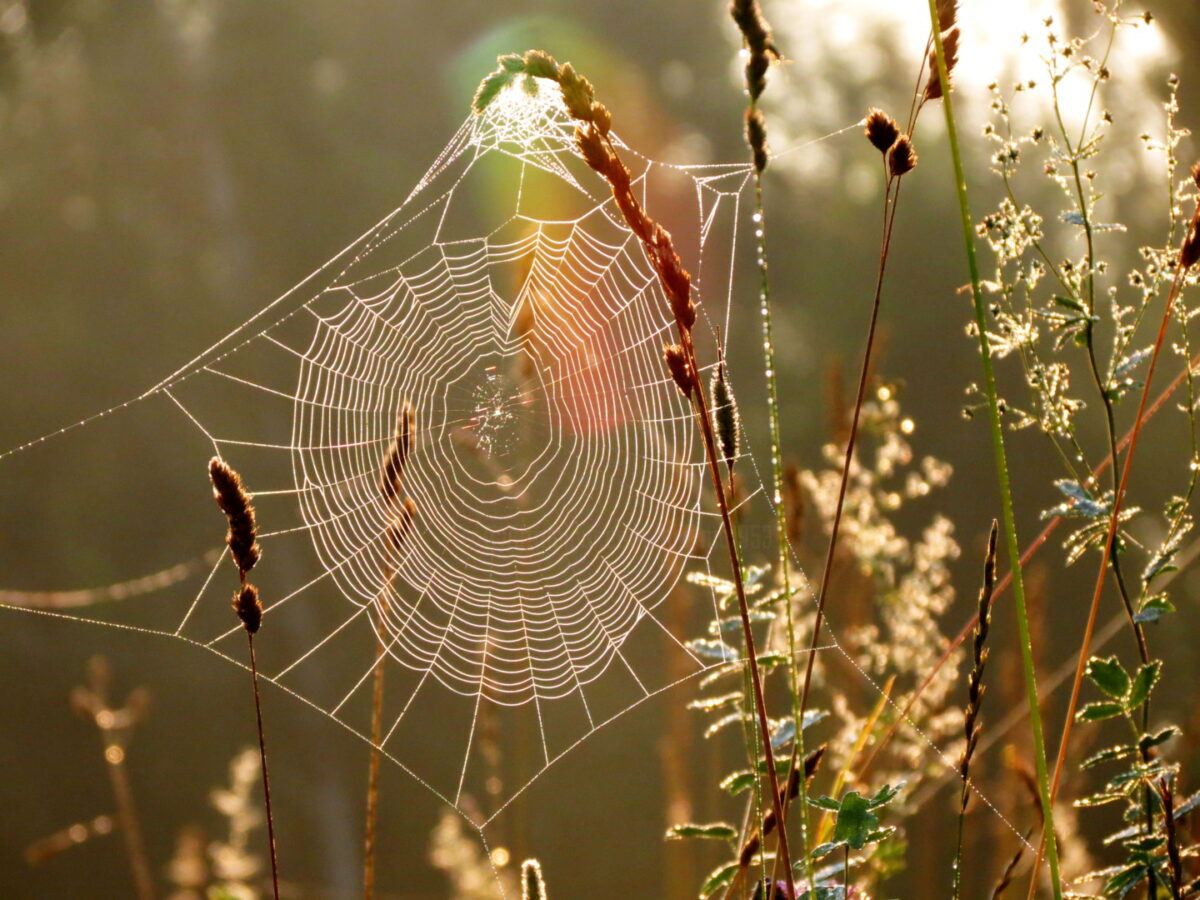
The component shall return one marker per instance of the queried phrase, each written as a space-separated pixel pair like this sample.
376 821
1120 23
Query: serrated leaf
1143 684
885 795
1095 712
720 831
1109 675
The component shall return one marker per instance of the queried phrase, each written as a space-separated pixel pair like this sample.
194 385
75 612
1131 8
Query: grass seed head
234 501
933 87
677 365
248 607
902 158
726 419
881 130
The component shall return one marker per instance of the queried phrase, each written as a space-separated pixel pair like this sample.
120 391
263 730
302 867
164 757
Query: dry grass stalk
975 691
402 510
234 501
598 151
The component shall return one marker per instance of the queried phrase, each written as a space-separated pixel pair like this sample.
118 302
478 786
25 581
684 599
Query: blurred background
167 167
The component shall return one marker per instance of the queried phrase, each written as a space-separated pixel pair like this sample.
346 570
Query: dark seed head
248 608
902 158
881 130
726 420
231 496
677 365
933 88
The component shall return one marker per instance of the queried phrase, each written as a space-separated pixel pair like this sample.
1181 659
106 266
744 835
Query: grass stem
1013 547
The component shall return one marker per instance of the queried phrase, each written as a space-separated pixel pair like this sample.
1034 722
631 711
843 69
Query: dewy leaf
1082 502
714 650
721 831
737 782
1095 712
1143 684
885 795
1154 608
1109 675
855 821
718 878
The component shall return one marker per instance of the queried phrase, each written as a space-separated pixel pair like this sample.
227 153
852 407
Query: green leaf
1108 754
1153 740
1143 684
1109 675
885 795
855 821
1153 609
718 878
824 802
737 782
719 831
1095 712
823 850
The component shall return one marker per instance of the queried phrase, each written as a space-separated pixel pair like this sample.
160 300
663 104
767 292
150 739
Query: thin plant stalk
975 690
1013 547
262 754
370 831
748 16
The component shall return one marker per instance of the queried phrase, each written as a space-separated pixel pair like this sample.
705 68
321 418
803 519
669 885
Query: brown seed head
541 64
756 137
947 11
677 365
401 525
398 451
759 45
902 158
1196 173
881 130
933 87
235 503
248 607
577 93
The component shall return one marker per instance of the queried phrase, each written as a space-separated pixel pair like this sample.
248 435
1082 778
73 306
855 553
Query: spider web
554 473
